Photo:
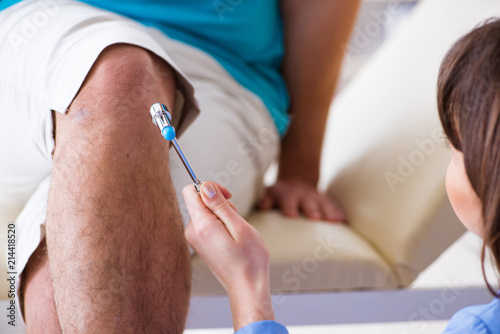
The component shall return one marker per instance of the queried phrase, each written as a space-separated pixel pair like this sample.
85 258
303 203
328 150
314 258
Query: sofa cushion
309 256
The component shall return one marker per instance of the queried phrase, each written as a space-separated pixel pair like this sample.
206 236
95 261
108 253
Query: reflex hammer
163 120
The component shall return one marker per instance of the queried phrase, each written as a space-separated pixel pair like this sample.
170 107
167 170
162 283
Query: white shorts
47 49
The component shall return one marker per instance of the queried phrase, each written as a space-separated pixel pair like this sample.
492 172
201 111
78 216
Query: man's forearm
315 32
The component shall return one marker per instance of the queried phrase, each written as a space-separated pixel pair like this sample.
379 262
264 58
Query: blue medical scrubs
478 319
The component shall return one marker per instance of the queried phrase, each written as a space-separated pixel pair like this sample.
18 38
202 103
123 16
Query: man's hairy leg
37 294
117 255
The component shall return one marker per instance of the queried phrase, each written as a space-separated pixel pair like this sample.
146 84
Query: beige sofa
384 162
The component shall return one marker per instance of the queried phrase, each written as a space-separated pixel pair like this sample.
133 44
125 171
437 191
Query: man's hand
293 197
233 250
316 35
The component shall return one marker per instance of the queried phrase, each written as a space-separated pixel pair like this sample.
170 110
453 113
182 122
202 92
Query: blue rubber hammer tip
168 133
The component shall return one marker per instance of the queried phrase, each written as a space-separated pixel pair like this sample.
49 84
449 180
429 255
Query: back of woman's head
469 109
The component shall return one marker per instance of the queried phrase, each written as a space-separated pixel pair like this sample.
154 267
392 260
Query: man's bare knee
121 86
125 69
113 104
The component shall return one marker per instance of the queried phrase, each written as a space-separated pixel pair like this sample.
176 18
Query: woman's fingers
227 194
195 206
233 206
205 228
221 207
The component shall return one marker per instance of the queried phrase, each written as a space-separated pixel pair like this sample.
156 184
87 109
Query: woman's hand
233 250
293 197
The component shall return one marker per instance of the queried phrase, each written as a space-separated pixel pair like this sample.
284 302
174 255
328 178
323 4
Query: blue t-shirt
245 37
263 327
479 319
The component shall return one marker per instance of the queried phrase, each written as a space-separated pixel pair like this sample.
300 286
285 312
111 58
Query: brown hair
469 109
